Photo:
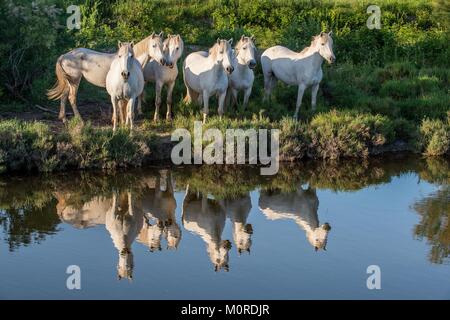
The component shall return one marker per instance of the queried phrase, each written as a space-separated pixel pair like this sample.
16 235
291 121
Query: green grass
32 146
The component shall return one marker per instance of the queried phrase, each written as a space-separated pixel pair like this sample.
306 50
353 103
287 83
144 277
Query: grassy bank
33 146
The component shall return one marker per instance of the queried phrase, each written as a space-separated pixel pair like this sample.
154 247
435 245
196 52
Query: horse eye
154 46
221 52
245 48
323 44
178 48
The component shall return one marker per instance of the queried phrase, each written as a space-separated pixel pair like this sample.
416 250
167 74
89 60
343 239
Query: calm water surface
309 232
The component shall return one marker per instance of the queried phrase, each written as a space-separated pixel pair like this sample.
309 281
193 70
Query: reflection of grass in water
29 209
434 224
224 182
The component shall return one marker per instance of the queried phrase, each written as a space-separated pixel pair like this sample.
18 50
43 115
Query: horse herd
147 214
222 72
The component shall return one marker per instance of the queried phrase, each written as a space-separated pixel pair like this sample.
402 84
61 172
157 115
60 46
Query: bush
348 134
33 146
435 137
26 146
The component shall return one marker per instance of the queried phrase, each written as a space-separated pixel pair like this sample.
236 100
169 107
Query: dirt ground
99 114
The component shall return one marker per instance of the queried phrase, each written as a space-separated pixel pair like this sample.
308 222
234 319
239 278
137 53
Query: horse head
125 56
318 237
173 48
221 53
218 253
324 45
246 51
155 48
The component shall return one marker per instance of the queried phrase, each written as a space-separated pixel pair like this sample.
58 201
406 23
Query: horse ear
161 34
178 37
132 44
230 41
330 33
253 38
119 43
242 37
218 40
152 35
322 33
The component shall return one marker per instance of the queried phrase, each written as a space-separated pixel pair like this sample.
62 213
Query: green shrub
33 146
338 134
435 137
26 145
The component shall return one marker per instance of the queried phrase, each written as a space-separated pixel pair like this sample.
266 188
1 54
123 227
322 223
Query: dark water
226 232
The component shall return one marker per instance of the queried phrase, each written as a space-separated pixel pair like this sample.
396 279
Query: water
227 233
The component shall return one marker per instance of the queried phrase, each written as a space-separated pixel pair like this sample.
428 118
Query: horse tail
62 84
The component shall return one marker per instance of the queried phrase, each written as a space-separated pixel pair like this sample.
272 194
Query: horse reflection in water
83 216
124 221
206 218
237 211
301 206
158 205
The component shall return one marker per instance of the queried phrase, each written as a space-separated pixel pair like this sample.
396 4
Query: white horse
206 74
303 69
206 218
244 62
300 206
125 82
166 74
124 221
238 210
71 67
159 204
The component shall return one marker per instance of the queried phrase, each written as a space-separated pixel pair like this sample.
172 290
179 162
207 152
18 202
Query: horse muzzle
229 69
252 64
125 75
162 62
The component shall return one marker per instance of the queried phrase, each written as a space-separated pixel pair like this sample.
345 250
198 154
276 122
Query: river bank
47 146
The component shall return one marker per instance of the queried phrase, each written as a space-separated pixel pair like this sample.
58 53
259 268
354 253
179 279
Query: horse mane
141 47
213 50
305 49
240 42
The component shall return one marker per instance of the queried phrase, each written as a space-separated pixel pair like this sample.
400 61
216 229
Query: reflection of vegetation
28 206
434 224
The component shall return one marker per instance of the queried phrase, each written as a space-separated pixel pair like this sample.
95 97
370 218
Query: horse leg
130 115
170 87
191 95
314 91
269 83
301 90
158 89
247 94
234 97
222 97
62 110
114 118
141 98
73 90
206 105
